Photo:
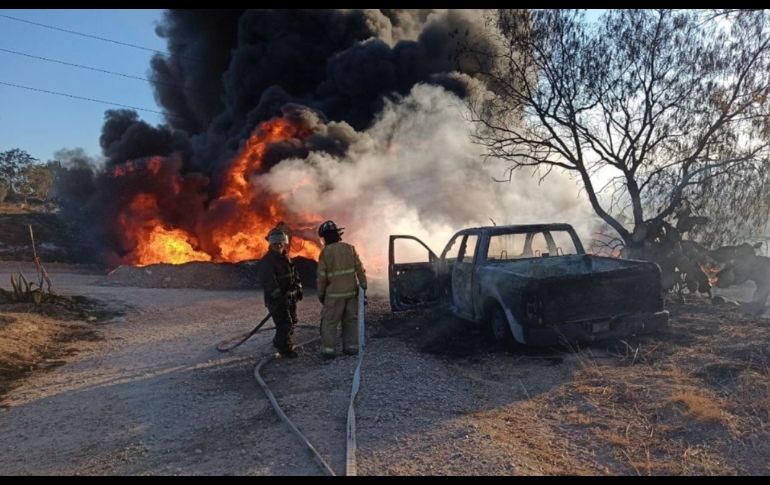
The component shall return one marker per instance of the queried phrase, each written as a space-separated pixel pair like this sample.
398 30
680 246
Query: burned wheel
498 326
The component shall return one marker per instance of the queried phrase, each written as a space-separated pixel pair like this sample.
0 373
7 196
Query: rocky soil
152 396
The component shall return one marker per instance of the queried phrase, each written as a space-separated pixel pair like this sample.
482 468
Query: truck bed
558 266
584 287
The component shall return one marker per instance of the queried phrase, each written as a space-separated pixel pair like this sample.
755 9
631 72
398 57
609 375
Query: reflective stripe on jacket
338 269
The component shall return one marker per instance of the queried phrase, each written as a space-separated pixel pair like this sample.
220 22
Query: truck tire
498 328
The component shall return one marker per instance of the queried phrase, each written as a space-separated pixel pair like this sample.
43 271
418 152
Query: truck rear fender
517 330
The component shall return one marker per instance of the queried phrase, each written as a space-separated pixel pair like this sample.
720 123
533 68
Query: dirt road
154 397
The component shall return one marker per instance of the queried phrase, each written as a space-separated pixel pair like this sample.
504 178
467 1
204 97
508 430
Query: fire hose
226 345
350 448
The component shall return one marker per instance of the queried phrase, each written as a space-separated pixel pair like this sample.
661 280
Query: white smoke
416 171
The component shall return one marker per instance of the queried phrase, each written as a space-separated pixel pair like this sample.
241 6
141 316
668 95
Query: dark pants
285 317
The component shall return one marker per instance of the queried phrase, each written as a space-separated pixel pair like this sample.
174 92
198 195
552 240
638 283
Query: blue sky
43 123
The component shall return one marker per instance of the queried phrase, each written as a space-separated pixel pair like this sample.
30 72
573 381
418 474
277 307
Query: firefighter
339 275
282 290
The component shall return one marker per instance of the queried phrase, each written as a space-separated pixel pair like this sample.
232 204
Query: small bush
38 180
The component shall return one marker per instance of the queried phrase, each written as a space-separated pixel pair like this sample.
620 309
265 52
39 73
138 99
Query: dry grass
536 445
7 207
694 401
37 336
691 400
700 406
29 342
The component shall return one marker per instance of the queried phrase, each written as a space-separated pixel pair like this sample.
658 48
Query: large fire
234 224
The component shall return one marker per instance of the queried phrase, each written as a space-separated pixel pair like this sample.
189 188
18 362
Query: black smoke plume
332 71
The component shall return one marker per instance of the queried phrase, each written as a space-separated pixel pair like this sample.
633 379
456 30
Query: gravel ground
154 397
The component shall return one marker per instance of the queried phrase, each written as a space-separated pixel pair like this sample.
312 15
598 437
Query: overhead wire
90 68
81 66
104 39
83 98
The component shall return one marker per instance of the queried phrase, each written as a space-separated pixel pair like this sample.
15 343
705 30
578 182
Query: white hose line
350 450
316 456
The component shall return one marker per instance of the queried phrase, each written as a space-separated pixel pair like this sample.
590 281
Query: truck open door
412 273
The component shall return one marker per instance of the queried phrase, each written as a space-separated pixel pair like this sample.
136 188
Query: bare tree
658 112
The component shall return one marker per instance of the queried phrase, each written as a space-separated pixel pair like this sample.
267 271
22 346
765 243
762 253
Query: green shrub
38 180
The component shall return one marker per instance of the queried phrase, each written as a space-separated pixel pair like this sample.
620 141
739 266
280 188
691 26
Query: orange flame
711 272
169 246
236 235
154 243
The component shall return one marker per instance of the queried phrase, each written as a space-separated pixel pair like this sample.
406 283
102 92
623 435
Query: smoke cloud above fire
416 171
301 116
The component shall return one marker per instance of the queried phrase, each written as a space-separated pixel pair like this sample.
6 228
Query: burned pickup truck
531 283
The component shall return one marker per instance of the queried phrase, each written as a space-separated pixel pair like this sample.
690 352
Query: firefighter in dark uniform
282 290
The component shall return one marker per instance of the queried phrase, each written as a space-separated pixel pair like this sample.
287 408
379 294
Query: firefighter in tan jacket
339 275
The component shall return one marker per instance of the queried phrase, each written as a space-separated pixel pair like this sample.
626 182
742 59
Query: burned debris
202 275
740 264
688 265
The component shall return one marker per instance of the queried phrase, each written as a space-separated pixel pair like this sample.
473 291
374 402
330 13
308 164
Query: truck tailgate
600 295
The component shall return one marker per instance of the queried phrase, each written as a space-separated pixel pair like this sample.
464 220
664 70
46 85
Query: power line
89 68
82 98
104 39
